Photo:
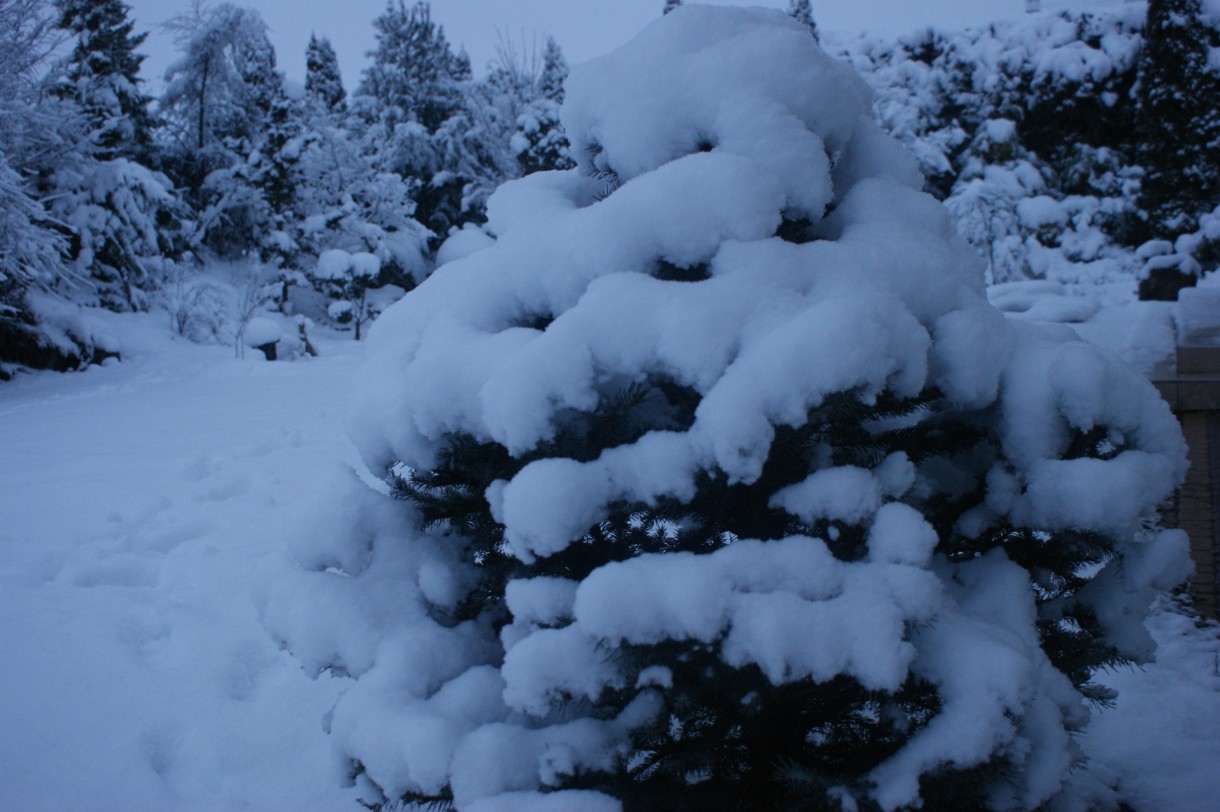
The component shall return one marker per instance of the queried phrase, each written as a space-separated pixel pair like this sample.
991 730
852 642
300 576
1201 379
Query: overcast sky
584 28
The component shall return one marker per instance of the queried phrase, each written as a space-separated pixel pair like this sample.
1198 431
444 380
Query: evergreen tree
1178 118
322 80
426 119
123 217
102 76
727 509
554 72
34 248
219 99
540 144
220 91
414 74
802 12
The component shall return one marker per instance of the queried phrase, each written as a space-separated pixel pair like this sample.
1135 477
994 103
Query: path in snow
144 513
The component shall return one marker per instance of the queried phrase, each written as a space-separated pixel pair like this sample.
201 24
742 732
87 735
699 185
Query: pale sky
583 28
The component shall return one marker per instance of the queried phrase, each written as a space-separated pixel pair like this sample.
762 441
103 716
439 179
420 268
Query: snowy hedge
727 487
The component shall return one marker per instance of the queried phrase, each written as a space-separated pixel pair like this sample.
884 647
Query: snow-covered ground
146 510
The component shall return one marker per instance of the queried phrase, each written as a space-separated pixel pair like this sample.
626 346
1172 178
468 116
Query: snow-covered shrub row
725 485
1188 254
1030 131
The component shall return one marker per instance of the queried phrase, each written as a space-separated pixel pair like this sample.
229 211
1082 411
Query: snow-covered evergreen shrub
347 278
539 143
124 219
1168 266
727 487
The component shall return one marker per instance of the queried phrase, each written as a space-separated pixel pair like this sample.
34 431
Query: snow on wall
713 126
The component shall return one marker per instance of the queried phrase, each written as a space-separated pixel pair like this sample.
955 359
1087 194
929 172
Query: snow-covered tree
1178 117
802 12
36 132
218 94
554 71
414 73
124 218
322 79
102 76
220 99
730 490
423 119
345 198
349 278
1028 130
539 142
125 225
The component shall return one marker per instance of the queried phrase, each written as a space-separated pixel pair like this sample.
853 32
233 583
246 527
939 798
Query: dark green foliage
1179 119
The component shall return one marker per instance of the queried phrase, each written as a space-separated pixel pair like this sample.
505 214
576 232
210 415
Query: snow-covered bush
347 278
1167 266
727 487
124 217
198 308
1040 108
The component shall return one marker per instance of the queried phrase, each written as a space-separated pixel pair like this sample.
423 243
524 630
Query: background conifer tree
123 217
1178 118
414 73
420 121
322 79
540 144
102 76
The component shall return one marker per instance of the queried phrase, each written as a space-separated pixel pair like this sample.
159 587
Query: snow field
145 508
